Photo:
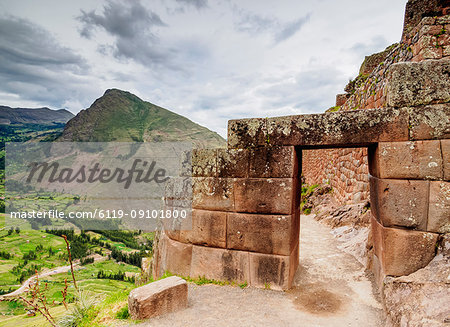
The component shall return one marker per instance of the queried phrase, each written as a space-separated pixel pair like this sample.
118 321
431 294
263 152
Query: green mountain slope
123 117
10 115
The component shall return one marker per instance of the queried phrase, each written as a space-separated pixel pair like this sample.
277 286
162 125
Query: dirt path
54 271
331 289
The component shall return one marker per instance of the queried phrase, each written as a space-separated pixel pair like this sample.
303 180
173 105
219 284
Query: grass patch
307 190
123 313
202 280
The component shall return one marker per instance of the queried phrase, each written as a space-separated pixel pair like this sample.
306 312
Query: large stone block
265 195
208 228
357 127
396 202
421 298
244 133
429 122
418 83
220 264
232 163
204 162
175 256
402 252
445 147
157 298
276 162
439 211
210 193
407 160
270 234
273 271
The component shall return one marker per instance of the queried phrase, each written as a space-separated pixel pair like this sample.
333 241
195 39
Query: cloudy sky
209 60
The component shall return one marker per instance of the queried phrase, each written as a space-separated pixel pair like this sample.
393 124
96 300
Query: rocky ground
331 289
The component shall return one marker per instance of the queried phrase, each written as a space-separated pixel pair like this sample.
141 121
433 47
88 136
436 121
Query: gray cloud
290 29
35 67
121 19
199 4
253 24
133 27
131 24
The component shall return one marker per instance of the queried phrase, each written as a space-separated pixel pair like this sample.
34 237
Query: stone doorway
246 198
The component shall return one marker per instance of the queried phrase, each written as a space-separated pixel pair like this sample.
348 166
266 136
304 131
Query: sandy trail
331 289
49 272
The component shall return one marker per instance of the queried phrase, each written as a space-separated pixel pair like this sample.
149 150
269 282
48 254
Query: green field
19 244
86 277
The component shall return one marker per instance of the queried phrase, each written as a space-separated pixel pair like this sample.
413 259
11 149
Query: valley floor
331 289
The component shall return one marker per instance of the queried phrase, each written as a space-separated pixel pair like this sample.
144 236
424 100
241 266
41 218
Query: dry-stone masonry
246 198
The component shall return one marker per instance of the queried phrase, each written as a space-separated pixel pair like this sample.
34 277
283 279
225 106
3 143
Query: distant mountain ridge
123 117
44 115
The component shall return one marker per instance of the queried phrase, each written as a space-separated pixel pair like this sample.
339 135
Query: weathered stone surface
439 211
429 122
276 162
178 192
408 160
204 162
232 163
357 127
339 128
402 252
445 148
220 264
371 62
208 228
273 271
175 256
341 99
418 83
243 133
396 202
421 298
270 234
417 10
210 193
157 298
264 195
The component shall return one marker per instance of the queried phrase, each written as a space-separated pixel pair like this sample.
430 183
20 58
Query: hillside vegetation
10 115
122 117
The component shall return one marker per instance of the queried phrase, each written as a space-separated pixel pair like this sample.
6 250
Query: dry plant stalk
64 293
70 260
38 301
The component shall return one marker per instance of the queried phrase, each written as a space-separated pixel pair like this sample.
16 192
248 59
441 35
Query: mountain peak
123 117
115 91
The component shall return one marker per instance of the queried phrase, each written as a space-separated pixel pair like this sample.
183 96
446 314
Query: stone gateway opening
246 198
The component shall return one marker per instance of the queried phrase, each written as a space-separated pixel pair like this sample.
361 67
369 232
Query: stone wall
430 39
345 169
245 219
425 37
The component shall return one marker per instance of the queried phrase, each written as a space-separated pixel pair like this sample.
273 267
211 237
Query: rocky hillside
10 115
122 116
